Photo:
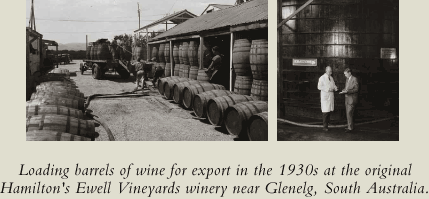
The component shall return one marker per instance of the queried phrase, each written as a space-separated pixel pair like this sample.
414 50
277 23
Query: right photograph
338 70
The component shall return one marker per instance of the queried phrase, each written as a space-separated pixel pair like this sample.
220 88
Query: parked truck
102 56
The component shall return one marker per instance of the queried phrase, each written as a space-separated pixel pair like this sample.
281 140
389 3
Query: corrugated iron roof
182 14
249 12
221 6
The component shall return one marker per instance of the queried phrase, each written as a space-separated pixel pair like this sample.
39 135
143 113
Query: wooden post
230 62
202 53
57 56
138 5
147 47
171 57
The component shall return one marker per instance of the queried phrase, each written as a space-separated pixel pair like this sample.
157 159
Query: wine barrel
217 106
161 83
180 53
193 53
103 52
48 135
168 86
259 59
185 47
202 75
60 101
93 51
243 85
161 52
257 129
154 52
64 86
88 52
53 77
167 53
61 91
61 123
200 101
177 70
207 56
178 90
167 71
59 71
176 55
193 72
260 90
236 116
53 110
140 52
189 92
240 57
181 70
186 70
58 83
44 94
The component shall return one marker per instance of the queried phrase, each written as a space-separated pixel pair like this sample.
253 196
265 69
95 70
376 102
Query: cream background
412 147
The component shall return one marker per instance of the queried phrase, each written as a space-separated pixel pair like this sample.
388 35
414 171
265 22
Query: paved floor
147 118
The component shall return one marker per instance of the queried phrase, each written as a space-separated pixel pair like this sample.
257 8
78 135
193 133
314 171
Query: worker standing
139 73
216 71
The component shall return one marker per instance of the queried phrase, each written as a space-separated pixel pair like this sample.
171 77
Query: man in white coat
327 87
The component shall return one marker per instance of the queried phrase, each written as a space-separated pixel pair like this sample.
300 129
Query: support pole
57 56
171 57
138 5
202 53
147 45
230 62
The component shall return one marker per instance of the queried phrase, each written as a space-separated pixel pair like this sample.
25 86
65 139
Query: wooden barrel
88 52
167 52
181 70
193 72
185 47
168 87
60 101
58 83
103 52
243 85
193 53
260 90
167 71
48 135
45 94
50 77
161 52
62 91
186 70
217 106
64 86
92 53
140 52
61 123
180 53
200 101
177 69
207 56
257 127
154 69
240 57
178 90
259 59
236 116
53 110
161 83
202 75
176 56
59 71
154 52
189 92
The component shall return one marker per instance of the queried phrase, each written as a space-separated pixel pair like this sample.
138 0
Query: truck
102 56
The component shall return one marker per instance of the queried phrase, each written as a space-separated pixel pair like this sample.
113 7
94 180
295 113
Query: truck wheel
96 71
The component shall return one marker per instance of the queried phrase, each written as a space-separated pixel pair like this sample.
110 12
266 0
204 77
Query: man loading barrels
159 71
216 71
139 73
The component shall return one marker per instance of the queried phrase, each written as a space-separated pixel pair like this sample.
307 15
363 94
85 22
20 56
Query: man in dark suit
351 91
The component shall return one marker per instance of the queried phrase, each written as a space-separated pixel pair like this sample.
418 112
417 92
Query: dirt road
146 118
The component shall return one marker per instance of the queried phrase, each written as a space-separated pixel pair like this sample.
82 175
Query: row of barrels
245 85
55 110
186 52
243 116
105 51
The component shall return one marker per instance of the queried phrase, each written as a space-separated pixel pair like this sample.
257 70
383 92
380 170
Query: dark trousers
350 109
157 75
326 119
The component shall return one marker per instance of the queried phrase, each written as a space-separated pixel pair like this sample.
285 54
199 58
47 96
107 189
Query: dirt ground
147 118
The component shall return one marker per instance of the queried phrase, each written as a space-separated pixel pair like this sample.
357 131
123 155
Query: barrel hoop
68 125
42 122
231 99
72 137
36 110
58 136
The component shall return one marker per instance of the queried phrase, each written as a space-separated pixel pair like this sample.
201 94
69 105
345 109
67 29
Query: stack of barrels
55 110
259 65
183 52
221 107
176 59
241 65
207 59
168 64
193 59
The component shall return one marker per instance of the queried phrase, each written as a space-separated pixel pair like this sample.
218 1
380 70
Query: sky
121 16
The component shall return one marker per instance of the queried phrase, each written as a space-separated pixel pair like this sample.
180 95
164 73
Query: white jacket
326 97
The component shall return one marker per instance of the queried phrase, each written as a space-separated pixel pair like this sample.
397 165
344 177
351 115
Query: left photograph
139 70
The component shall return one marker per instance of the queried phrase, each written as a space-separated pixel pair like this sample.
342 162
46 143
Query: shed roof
177 18
249 12
220 6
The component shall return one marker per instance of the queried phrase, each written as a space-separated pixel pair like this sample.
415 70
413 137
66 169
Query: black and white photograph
141 70
338 70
